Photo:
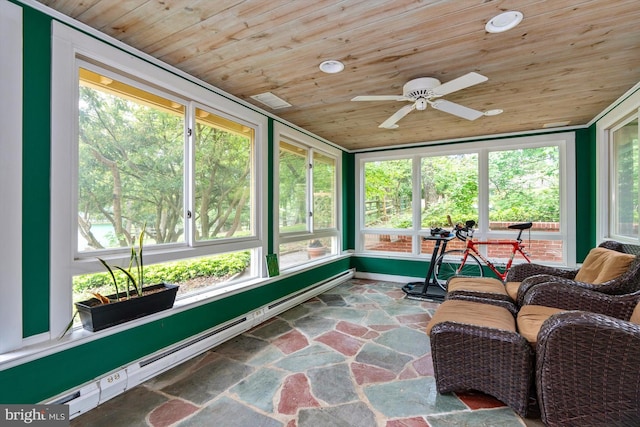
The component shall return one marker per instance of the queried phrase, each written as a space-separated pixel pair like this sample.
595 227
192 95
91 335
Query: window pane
388 243
223 177
324 198
388 194
449 187
625 206
293 188
296 253
131 155
524 185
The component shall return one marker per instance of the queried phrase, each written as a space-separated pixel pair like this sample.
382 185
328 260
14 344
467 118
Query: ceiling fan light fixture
504 21
331 66
493 112
421 104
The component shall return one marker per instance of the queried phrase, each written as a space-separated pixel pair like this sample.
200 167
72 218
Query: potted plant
316 249
132 302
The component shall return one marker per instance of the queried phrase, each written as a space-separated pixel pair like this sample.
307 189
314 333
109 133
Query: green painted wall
348 201
585 191
36 171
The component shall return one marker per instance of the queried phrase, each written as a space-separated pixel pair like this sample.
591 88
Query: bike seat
521 226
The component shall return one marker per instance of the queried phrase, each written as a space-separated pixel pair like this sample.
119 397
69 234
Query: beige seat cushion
602 265
635 316
530 319
473 313
476 284
512 289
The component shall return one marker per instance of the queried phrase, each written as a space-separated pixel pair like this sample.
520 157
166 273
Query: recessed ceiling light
271 100
331 66
504 22
494 112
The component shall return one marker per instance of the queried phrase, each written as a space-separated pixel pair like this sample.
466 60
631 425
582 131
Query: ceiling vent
271 101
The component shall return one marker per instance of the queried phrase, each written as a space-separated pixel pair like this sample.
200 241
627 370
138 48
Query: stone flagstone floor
355 356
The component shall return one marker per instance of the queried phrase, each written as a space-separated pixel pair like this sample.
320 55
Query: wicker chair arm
484 298
588 370
530 282
570 297
519 272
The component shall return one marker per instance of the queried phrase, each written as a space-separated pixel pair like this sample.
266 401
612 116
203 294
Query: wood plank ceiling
566 62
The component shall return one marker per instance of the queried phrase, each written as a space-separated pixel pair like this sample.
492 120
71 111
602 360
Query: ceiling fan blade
456 109
462 82
390 123
380 98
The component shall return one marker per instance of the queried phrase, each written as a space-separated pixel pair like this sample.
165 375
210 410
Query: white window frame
296 137
68 45
566 144
11 176
604 162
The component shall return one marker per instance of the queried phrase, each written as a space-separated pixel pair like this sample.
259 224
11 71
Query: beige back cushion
602 265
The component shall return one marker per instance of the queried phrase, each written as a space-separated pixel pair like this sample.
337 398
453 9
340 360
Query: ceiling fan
425 91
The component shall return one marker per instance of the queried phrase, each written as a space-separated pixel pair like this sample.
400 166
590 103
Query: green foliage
175 272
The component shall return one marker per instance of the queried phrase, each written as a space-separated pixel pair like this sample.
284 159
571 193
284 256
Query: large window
405 193
307 195
139 150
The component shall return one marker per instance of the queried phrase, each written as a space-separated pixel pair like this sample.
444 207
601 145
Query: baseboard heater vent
98 391
150 360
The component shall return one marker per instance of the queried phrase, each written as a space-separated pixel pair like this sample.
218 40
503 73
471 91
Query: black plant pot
96 316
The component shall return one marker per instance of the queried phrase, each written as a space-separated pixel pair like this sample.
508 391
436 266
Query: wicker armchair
472 354
588 371
532 275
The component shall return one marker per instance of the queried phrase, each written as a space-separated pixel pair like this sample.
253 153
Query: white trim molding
11 175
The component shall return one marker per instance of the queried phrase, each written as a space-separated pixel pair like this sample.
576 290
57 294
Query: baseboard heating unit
98 391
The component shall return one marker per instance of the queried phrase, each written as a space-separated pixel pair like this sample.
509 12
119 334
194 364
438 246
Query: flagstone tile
171 412
411 398
296 394
406 340
345 344
349 415
259 388
479 400
291 342
313 356
227 412
352 329
355 356
485 418
209 381
272 330
368 374
333 384
383 357
408 422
